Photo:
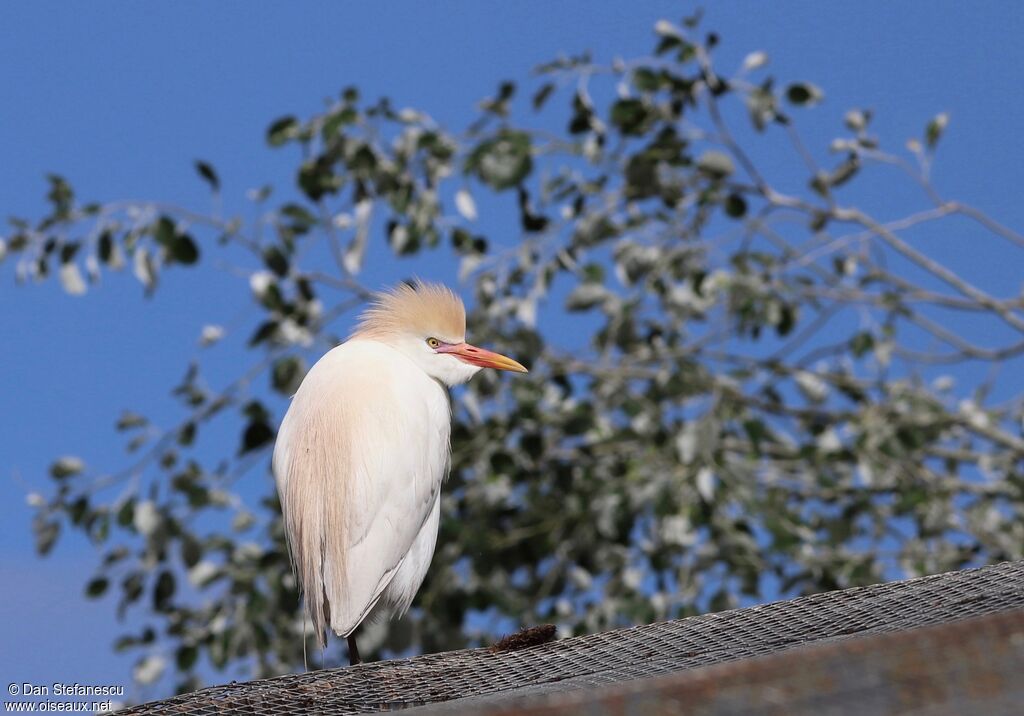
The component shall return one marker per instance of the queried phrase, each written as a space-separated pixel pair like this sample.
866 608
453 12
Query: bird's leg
353 651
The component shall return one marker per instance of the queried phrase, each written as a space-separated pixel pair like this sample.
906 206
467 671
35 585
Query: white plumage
362 452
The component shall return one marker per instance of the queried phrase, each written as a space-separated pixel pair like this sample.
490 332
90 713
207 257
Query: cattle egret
362 452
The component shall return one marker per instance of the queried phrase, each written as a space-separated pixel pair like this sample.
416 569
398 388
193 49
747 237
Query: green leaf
191 551
282 130
668 42
631 116
646 80
846 170
124 643
126 513
736 206
933 132
762 105
318 178
145 269
586 296
787 320
692 21
186 657
302 219
46 533
336 120
287 374
164 232
465 243
180 246
130 420
71 279
857 120
209 175
502 161
258 432
105 247
862 343
187 434
163 591
78 510
804 94
716 164
68 251
499 105
542 95
132 586
61 195
66 467
276 260
263 333
531 222
96 587
593 273
758 432
256 436
582 115
184 250
99 527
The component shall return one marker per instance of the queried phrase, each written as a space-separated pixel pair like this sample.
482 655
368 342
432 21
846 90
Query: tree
758 411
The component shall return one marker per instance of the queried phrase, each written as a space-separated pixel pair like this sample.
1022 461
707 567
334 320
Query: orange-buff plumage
362 452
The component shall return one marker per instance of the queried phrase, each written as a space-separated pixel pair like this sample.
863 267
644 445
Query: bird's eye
433 342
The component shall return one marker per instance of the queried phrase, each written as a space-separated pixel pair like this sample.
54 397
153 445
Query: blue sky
121 97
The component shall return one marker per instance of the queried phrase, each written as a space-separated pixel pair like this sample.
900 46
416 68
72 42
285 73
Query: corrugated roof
474 680
971 666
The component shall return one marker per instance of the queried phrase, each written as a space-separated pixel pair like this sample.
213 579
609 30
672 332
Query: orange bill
482 357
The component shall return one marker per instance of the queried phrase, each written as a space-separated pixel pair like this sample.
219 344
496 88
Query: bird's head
427 322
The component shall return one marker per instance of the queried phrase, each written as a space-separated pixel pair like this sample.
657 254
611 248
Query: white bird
362 452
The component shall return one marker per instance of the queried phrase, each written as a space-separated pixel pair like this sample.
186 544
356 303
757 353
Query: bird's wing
359 461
